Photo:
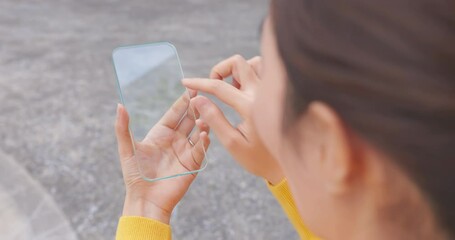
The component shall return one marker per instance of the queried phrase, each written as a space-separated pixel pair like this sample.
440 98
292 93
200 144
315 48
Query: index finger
222 90
177 111
235 66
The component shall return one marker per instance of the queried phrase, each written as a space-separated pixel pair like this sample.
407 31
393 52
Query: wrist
143 208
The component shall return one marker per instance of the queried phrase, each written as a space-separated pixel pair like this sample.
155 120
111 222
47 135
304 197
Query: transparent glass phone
161 120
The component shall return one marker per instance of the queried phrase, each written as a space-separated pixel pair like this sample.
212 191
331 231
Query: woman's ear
337 161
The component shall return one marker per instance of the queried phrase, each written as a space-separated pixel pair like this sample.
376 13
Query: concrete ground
58 99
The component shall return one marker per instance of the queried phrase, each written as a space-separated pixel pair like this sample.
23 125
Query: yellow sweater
141 228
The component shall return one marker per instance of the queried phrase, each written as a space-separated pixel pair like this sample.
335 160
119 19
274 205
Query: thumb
125 145
214 117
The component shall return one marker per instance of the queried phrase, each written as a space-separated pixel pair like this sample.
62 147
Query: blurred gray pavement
27 211
58 99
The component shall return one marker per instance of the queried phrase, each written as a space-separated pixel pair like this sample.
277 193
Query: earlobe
335 146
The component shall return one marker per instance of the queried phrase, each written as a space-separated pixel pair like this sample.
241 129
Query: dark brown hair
388 69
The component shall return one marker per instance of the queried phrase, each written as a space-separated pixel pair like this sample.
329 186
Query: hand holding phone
149 80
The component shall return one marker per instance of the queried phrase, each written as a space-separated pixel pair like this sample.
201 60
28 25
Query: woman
351 109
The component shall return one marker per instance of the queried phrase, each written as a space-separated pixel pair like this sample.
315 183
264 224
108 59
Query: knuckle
230 141
211 113
185 98
214 72
174 108
238 58
254 59
215 86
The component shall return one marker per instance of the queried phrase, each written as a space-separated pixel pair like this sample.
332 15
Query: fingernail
192 92
118 109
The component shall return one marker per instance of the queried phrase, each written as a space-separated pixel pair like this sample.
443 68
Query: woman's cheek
267 117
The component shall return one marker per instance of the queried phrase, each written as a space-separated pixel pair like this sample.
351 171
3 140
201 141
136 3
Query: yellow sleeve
284 197
140 228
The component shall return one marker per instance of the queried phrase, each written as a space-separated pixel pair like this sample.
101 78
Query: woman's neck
396 209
